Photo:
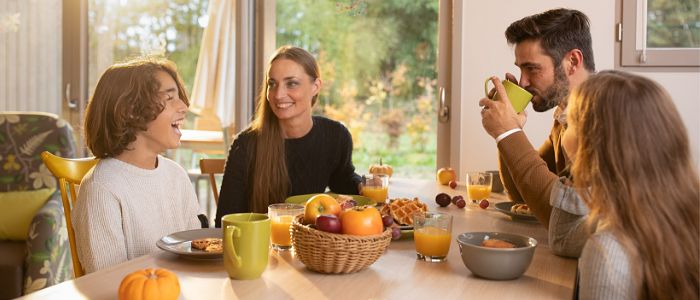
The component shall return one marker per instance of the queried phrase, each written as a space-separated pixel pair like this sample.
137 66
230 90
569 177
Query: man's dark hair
559 31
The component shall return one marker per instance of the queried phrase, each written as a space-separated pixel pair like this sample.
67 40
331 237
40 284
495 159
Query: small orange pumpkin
150 284
381 169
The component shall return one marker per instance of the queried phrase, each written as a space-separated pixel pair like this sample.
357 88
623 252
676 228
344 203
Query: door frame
74 87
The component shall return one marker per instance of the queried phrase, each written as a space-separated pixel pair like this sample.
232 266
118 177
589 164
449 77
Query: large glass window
123 29
673 24
660 33
378 64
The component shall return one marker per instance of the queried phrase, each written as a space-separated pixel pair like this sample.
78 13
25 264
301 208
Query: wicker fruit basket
333 253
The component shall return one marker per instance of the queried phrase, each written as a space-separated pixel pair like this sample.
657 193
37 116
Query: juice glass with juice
432 235
479 185
281 215
375 187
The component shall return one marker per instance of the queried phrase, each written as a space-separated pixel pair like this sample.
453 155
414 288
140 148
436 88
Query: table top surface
395 275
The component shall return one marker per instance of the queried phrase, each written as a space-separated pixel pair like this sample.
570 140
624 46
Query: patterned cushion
48 259
23 136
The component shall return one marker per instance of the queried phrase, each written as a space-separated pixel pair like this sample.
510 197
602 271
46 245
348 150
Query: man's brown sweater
528 174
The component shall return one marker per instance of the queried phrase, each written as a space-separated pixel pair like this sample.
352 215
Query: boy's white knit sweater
123 210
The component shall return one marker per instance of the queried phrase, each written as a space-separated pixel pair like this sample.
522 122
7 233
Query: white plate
180 243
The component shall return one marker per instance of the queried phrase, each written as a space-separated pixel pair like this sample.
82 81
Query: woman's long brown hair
269 168
633 153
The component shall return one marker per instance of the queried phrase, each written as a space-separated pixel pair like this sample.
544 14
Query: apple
329 223
321 204
445 175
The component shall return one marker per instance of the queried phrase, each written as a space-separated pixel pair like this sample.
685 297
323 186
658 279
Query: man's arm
530 173
507 180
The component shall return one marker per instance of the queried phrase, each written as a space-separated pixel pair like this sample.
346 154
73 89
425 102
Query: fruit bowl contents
334 253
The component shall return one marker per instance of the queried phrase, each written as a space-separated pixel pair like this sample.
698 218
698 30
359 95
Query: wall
30 58
684 87
485 52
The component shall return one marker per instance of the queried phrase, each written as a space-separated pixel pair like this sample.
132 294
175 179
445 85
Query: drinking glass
432 235
375 187
479 185
281 215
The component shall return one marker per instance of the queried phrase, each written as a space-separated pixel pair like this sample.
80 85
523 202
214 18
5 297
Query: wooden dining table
395 275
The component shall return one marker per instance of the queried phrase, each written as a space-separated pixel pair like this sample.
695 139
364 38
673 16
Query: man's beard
555 94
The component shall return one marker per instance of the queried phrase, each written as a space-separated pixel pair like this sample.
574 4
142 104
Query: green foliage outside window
673 23
121 30
378 64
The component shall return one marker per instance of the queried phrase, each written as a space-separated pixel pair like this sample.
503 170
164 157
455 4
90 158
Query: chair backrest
69 172
212 166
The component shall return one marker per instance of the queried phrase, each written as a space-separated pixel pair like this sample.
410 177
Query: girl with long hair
632 167
286 151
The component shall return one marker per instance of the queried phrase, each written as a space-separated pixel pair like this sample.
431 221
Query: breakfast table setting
396 273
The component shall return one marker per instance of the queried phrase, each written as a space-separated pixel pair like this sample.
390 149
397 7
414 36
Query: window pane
123 29
378 65
673 23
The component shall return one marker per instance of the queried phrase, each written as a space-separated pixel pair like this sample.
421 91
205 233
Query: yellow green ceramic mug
246 244
519 97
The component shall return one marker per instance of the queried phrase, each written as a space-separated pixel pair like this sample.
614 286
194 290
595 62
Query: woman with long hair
286 151
632 167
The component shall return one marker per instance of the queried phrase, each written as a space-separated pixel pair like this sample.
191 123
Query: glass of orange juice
281 215
479 185
432 235
375 187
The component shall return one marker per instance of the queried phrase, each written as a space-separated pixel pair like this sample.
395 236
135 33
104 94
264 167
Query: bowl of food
496 255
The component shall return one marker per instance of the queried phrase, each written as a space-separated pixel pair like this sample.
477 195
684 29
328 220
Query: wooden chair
212 166
69 172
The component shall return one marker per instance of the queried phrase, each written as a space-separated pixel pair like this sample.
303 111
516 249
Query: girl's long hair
633 153
269 177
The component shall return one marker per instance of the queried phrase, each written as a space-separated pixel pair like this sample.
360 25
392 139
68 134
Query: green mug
519 97
246 244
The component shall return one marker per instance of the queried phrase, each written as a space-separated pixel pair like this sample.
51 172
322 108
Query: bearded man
553 51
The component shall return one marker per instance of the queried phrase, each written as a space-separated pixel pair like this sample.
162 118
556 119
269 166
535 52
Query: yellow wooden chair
211 167
69 172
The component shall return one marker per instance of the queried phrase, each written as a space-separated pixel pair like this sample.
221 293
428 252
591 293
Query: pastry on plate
211 245
521 209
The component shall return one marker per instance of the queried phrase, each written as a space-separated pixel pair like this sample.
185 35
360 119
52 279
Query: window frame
629 34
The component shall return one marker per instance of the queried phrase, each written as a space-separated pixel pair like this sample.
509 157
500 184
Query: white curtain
213 92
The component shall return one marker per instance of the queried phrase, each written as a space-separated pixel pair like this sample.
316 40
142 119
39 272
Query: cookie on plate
211 245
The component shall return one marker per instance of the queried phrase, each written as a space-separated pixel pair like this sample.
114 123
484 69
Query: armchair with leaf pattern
42 257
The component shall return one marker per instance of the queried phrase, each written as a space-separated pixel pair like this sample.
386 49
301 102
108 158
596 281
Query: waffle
402 210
